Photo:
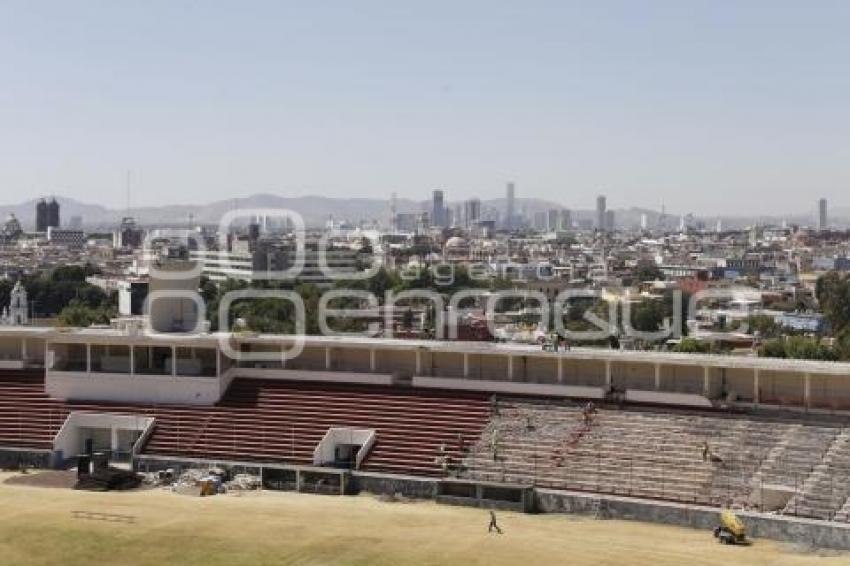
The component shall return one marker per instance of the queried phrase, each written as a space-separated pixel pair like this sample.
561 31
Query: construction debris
201 482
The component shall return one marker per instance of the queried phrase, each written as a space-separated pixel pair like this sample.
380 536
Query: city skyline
705 108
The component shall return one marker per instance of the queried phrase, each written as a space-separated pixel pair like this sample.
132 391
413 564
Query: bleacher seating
642 453
271 421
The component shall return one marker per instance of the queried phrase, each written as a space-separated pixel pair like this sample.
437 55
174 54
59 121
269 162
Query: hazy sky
716 106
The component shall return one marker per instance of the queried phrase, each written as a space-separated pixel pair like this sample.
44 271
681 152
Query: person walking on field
493 525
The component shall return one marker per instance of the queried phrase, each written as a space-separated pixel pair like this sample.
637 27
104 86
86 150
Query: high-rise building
41 216
53 214
600 212
566 220
540 220
438 210
609 220
472 212
823 220
129 234
509 207
553 219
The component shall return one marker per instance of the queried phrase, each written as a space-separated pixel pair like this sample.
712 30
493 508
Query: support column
657 376
88 358
756 387
174 361
372 360
133 361
113 439
807 391
608 378
418 362
328 358
24 350
465 365
510 367
560 369
706 381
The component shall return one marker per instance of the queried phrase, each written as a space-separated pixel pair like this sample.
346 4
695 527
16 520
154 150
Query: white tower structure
17 313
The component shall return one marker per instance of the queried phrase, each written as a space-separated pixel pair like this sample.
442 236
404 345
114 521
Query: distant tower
472 213
438 210
393 214
600 212
823 220
53 214
509 207
609 220
566 220
644 221
41 216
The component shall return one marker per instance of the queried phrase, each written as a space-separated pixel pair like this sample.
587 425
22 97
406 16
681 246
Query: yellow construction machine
731 529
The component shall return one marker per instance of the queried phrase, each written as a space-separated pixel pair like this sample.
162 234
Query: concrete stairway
644 454
824 493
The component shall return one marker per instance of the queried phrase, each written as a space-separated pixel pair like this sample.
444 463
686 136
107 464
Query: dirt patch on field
48 478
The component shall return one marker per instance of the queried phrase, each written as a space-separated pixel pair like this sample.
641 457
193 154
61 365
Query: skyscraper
438 210
566 220
823 220
553 222
509 207
53 214
600 212
609 220
472 212
41 216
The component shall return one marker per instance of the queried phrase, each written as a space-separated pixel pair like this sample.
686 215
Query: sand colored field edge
37 527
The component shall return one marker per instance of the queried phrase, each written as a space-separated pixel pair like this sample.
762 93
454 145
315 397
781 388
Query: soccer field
38 526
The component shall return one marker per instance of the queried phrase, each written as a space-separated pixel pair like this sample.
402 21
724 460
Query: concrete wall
447 364
133 389
781 388
830 392
314 359
408 486
682 379
493 368
350 359
759 525
541 370
13 457
817 533
392 361
631 375
10 348
740 381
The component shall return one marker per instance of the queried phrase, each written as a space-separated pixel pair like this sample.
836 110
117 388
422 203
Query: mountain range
316 210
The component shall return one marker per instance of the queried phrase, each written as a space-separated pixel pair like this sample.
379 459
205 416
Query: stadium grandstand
701 430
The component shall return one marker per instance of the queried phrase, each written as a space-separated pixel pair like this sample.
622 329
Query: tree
648 271
833 293
647 316
692 346
774 348
797 348
407 319
79 314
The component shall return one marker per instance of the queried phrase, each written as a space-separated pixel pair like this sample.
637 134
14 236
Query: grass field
37 527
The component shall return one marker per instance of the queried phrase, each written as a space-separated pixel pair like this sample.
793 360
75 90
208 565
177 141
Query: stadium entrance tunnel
343 447
119 436
486 494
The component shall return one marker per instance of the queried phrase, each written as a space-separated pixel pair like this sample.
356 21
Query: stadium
655 437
